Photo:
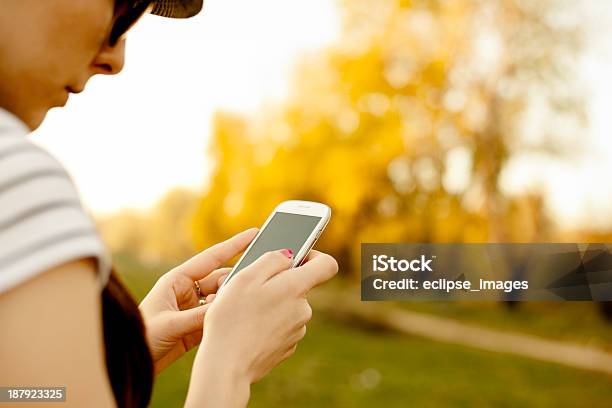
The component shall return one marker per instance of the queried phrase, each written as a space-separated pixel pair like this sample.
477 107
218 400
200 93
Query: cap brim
177 8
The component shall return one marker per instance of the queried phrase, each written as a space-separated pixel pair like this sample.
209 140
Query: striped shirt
42 221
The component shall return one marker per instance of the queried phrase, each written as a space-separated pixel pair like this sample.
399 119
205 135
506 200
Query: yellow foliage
371 123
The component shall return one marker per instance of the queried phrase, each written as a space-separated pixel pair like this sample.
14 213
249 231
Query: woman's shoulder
43 223
21 161
31 181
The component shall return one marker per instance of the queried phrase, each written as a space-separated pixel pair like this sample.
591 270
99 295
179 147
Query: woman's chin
35 119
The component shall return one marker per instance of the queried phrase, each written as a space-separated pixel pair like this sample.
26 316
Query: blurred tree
162 234
169 227
123 231
406 126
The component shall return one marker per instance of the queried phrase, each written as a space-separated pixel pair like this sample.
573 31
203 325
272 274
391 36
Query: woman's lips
67 91
65 97
74 90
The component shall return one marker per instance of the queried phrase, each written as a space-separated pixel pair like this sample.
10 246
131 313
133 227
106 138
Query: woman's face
50 48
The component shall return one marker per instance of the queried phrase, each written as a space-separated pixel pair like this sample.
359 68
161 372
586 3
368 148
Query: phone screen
284 230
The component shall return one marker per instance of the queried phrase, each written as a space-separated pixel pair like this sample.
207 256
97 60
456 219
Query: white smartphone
293 224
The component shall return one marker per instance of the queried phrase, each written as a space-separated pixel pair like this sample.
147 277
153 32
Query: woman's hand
254 325
171 311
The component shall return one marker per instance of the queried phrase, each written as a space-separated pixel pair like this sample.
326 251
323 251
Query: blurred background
416 121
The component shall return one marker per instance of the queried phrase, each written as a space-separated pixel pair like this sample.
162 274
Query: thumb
188 321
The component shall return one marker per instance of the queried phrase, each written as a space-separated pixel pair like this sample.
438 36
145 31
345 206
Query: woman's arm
52 335
216 382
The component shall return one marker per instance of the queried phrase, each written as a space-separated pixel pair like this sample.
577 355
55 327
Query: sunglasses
127 13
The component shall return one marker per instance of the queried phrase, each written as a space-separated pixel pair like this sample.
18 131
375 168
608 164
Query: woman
66 319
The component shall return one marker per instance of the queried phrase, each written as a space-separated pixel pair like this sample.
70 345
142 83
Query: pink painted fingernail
287 252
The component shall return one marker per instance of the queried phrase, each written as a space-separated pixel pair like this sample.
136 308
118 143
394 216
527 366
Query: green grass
342 365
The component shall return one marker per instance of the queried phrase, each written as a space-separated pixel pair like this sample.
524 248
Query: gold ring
197 288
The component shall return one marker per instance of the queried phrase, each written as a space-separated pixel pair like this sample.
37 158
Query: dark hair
128 358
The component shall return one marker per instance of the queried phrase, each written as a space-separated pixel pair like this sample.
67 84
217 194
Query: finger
210 283
301 333
319 268
288 353
190 320
223 277
210 298
311 254
269 264
212 258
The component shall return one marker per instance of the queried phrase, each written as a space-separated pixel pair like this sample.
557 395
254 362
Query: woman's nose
110 60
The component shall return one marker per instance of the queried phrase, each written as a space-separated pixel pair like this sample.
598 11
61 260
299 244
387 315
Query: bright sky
130 138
